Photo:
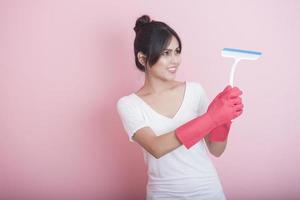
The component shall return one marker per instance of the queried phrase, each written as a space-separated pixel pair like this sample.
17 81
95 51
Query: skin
164 95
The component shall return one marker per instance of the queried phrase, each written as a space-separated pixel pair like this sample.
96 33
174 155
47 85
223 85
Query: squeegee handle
232 71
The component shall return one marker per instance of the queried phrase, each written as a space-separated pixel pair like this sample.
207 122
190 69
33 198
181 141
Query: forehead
173 43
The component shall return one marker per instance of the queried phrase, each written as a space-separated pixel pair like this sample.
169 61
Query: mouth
172 69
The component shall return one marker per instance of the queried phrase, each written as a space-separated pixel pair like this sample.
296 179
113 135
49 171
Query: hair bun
145 19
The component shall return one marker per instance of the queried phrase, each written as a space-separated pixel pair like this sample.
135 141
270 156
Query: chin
167 77
170 78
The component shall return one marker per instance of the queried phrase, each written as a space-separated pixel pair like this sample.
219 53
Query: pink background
64 64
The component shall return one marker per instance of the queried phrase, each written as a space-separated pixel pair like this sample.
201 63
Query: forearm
168 142
164 144
187 134
217 148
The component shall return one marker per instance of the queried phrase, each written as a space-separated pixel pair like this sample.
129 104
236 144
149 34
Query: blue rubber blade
242 51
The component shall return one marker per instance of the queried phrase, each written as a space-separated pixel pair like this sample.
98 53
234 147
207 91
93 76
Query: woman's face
166 66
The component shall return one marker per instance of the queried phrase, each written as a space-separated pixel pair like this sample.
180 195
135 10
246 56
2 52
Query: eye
177 51
166 53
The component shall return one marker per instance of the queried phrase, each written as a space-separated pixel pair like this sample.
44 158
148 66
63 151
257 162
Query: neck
154 85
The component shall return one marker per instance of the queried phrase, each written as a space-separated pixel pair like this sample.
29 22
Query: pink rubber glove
220 133
220 111
224 107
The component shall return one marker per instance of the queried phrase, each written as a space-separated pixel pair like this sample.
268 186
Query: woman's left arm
216 148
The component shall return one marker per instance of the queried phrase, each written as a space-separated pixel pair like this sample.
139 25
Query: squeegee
239 54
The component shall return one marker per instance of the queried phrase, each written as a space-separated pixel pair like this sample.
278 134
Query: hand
220 133
223 108
226 106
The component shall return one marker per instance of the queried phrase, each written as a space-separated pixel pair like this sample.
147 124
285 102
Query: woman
170 119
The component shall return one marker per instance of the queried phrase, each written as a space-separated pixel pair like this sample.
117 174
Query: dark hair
151 38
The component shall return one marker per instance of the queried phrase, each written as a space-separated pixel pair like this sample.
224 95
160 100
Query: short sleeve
203 100
131 116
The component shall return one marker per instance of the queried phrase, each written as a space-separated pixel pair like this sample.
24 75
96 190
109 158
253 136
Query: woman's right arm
157 146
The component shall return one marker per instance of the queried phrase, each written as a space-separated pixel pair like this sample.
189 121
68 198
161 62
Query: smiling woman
172 121
151 41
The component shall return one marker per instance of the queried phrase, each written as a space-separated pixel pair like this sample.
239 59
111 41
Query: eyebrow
171 49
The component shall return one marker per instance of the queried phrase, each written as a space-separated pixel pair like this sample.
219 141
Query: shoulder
196 86
128 103
125 101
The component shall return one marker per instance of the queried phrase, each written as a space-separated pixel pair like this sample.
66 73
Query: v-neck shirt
181 173
156 112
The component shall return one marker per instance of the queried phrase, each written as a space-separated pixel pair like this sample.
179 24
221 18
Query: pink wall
63 67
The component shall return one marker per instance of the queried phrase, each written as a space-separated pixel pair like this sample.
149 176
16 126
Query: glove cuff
195 130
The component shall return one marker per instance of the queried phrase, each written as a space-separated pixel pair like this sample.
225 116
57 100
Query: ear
141 58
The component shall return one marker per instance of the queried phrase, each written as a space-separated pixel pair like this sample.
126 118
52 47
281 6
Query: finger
238 113
225 91
238 107
231 93
236 89
236 101
228 87
235 93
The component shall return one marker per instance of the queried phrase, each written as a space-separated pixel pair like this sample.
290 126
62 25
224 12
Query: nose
175 58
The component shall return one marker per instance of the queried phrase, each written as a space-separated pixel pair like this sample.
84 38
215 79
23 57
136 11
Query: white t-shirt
182 173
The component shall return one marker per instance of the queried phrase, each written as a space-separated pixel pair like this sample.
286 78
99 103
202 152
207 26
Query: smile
172 69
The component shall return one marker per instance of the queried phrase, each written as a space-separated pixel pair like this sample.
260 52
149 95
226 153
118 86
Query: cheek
179 59
163 61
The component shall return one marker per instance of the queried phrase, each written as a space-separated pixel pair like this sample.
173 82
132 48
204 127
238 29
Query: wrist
208 121
211 119
195 130
220 133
